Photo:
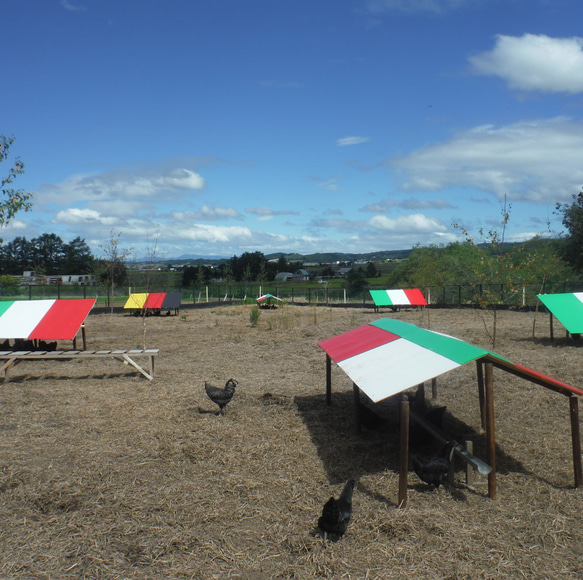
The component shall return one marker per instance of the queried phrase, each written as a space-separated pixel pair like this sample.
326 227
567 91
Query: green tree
49 254
573 221
356 279
247 266
17 256
77 258
11 200
371 270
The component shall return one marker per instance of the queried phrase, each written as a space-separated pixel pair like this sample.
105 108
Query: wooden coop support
404 453
328 380
434 388
576 440
481 393
551 326
563 389
490 435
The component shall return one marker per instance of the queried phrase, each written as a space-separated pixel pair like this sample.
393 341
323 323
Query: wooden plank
13 358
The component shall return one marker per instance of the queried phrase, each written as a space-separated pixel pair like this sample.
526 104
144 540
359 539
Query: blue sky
217 127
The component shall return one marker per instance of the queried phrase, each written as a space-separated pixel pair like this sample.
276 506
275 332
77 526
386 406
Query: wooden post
481 395
420 404
404 453
356 394
490 435
551 326
328 380
576 440
470 473
434 388
84 336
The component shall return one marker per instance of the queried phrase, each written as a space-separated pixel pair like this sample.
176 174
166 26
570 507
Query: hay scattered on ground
104 474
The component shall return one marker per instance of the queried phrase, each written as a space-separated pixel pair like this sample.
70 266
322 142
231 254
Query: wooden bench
10 359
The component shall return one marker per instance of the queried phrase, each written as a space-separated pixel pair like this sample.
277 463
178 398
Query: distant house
31 278
342 272
301 274
283 277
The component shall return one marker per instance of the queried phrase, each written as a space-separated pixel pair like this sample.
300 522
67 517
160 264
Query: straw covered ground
104 474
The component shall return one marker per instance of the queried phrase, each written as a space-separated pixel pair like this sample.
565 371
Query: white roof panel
394 367
23 317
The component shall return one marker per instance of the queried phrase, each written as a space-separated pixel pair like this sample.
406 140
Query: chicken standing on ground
433 471
336 513
221 396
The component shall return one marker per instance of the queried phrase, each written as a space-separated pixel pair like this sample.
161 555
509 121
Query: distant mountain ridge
318 258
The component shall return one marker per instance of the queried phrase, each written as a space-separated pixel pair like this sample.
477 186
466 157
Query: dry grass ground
104 474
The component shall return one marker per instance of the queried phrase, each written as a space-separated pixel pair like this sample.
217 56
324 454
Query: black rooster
433 471
221 396
336 513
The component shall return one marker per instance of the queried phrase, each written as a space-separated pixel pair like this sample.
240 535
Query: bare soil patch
104 474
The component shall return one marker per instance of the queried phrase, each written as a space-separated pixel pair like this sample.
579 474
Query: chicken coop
412 356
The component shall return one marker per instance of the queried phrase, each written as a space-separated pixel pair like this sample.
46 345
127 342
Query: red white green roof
43 319
567 308
268 297
407 297
388 356
154 300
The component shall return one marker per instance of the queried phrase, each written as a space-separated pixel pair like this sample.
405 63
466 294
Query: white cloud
210 234
121 185
409 203
417 223
378 6
218 213
534 63
68 6
538 161
265 213
344 141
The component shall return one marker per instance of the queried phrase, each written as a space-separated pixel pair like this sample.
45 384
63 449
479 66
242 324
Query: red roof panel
355 342
63 320
155 300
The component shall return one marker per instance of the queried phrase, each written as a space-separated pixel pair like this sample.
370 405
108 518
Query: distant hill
330 257
318 258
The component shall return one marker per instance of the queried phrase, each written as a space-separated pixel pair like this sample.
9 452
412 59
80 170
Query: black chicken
419 437
221 396
337 512
433 471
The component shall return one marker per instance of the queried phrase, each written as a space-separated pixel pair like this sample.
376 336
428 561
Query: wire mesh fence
516 295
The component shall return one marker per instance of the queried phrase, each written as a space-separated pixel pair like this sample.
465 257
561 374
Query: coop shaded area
347 452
